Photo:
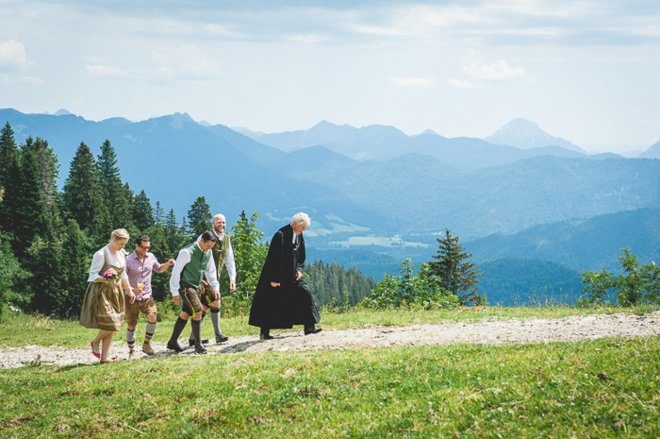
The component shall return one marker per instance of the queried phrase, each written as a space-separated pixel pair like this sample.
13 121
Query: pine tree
451 266
250 253
176 239
45 264
117 196
83 197
31 215
143 217
159 214
199 217
75 267
10 180
7 150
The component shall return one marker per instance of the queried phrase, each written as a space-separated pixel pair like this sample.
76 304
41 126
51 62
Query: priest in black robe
282 298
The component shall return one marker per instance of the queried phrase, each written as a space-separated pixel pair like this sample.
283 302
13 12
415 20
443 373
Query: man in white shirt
193 262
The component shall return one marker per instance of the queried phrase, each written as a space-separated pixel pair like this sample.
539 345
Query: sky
587 71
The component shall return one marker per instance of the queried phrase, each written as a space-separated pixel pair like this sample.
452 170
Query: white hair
301 218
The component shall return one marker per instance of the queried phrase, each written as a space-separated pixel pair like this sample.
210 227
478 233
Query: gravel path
492 331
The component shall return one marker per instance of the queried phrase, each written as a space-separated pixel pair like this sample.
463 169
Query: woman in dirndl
103 306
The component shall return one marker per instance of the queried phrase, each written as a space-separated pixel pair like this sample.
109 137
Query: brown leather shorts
134 309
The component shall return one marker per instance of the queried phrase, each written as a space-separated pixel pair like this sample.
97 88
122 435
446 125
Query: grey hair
301 218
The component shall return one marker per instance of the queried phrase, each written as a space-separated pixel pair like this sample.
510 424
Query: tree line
47 236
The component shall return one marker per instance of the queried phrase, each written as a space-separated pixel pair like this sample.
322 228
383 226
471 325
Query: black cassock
291 303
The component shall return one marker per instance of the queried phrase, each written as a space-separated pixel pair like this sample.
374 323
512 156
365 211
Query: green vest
220 250
194 270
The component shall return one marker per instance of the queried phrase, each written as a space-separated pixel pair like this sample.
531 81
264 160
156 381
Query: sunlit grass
601 388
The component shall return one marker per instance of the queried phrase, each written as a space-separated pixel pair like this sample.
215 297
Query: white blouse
118 260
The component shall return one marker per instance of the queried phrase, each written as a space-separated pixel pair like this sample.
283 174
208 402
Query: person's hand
176 299
274 284
215 295
131 296
232 286
298 275
171 262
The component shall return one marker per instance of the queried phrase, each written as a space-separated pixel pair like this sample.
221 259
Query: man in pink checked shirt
139 266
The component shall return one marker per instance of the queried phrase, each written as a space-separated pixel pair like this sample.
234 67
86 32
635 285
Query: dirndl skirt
103 307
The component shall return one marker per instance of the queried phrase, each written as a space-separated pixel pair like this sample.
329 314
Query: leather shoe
192 342
221 338
200 349
312 330
173 345
263 336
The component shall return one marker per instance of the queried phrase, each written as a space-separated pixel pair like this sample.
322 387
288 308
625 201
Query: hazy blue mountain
174 160
526 134
581 244
256 151
653 152
422 194
379 142
516 281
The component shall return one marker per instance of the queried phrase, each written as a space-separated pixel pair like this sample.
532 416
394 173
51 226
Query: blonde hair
120 235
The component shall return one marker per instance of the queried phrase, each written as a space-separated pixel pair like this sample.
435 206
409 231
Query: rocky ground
492 331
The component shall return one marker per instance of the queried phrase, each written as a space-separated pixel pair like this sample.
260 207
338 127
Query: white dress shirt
98 261
230 263
181 260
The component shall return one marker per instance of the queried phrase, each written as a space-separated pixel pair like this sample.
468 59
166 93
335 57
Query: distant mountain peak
63 112
525 134
653 152
429 132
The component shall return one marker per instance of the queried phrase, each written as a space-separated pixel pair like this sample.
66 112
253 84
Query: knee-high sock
192 336
130 338
178 327
215 318
196 330
149 332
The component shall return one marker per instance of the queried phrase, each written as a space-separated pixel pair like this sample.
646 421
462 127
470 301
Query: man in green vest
223 255
192 264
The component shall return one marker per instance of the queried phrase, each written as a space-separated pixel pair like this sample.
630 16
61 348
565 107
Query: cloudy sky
585 70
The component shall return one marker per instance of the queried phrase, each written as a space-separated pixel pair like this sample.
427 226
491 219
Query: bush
409 290
636 285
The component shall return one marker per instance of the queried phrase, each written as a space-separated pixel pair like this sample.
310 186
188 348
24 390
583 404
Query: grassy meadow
601 388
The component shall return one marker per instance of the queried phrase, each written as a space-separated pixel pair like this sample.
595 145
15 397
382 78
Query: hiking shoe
147 349
174 345
191 343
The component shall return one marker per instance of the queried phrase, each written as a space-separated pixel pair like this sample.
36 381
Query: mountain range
376 195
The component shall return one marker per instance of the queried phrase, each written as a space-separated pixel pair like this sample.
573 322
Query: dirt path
492 331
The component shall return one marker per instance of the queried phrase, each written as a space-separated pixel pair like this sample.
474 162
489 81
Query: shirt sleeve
211 274
230 264
181 260
97 265
156 265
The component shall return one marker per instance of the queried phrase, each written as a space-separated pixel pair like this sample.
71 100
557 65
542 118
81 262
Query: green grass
601 388
21 329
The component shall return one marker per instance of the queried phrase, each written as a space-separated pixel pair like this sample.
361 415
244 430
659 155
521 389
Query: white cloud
104 71
412 82
496 71
307 38
31 80
181 63
13 56
459 83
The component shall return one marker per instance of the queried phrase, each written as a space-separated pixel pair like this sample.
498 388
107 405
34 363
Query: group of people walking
119 288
